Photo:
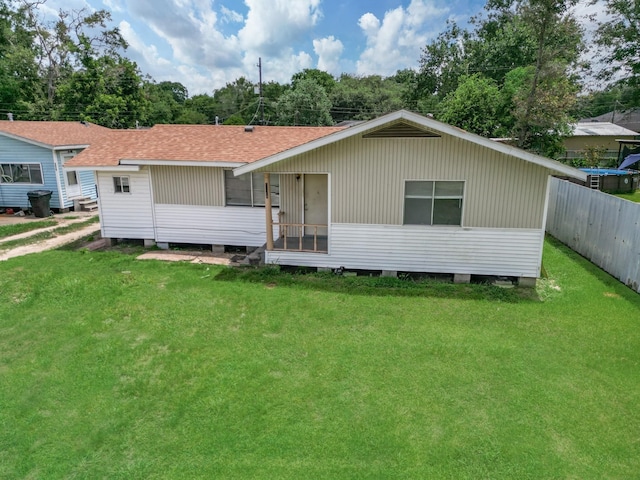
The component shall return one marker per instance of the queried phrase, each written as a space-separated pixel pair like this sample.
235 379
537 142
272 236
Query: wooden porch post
267 209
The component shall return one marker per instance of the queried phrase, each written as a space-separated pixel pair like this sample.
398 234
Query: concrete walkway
186 257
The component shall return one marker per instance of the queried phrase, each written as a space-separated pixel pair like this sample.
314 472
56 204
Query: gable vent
401 130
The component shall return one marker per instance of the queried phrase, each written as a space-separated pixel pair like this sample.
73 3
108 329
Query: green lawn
16 228
117 368
634 197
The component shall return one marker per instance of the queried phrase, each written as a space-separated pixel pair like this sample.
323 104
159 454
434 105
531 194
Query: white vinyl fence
603 228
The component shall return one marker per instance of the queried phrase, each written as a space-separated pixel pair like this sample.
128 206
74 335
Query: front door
71 179
316 203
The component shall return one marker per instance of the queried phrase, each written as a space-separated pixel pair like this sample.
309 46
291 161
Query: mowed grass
633 196
15 229
117 368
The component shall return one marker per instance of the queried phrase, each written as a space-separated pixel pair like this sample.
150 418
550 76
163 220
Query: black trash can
39 200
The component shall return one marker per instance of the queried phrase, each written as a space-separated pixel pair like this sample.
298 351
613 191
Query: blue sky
205 44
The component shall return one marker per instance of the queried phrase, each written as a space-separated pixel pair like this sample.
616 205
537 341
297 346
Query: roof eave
103 168
182 163
71 147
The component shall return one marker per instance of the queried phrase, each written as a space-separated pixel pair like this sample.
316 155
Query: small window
121 185
248 189
21 173
433 203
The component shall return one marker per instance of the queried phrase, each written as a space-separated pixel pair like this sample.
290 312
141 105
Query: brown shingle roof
196 143
54 134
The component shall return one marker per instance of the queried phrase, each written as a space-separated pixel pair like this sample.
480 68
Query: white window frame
8 179
119 185
433 197
256 181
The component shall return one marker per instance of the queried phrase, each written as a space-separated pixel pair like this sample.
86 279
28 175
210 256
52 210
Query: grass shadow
272 276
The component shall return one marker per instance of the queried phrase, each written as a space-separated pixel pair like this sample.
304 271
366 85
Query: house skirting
403 248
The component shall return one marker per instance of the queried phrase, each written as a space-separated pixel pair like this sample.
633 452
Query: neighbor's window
248 189
21 173
433 203
121 185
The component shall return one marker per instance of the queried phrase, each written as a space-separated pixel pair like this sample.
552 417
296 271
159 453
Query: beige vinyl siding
188 185
583 141
368 177
291 204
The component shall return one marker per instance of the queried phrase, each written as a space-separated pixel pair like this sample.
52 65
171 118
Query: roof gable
428 124
401 130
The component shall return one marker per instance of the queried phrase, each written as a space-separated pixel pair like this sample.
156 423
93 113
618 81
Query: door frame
328 203
70 194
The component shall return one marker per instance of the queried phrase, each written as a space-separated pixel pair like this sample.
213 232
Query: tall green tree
307 104
63 45
483 96
443 62
237 98
321 77
19 80
619 35
107 90
549 92
364 98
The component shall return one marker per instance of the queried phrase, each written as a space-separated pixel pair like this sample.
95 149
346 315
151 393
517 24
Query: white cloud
230 16
114 5
329 50
395 42
273 25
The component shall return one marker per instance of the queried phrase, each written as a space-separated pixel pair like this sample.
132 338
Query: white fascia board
181 163
70 147
426 122
87 168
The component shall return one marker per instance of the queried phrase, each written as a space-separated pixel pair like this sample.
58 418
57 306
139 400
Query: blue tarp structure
630 160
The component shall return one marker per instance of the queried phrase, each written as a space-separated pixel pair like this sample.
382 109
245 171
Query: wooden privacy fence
603 228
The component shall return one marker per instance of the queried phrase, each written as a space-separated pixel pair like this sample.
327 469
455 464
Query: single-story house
174 184
32 156
400 193
596 134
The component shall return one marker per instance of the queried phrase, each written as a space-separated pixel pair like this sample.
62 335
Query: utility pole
261 98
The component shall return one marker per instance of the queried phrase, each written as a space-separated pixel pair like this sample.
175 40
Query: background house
600 135
32 156
629 119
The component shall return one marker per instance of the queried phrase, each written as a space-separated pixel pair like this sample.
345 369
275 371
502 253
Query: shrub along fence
603 228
